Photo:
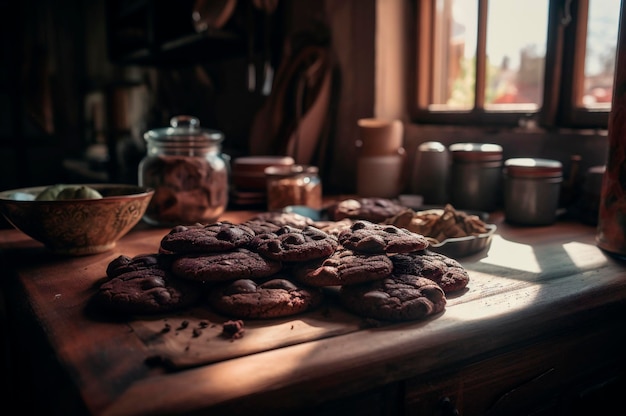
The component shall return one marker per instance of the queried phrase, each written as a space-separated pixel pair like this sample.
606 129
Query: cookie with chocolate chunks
260 226
290 244
343 267
124 264
370 209
282 218
227 265
395 298
448 273
147 291
367 237
218 236
273 298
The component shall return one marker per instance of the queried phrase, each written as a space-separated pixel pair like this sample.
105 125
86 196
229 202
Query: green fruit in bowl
64 192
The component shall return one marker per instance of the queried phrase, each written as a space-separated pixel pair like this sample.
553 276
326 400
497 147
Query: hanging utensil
251 63
269 7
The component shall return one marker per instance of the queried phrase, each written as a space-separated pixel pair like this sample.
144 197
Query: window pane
454 54
516 49
602 26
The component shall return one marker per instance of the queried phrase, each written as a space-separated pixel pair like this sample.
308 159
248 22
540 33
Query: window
506 61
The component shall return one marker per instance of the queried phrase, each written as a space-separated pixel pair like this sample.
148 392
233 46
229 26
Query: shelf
189 49
159 33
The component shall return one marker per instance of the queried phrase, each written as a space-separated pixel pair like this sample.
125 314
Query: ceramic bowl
77 226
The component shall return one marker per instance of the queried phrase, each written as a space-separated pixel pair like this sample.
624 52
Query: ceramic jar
381 158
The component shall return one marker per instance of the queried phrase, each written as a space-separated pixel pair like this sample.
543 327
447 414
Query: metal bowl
77 226
465 246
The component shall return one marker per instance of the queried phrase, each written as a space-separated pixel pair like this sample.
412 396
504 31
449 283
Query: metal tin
476 176
429 176
293 185
531 190
188 171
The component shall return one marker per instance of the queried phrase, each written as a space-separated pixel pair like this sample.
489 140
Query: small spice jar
293 185
531 190
185 166
476 176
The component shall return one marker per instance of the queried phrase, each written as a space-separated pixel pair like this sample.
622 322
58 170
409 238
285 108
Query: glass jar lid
432 147
286 171
185 129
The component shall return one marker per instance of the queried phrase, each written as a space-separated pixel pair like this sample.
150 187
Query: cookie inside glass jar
185 166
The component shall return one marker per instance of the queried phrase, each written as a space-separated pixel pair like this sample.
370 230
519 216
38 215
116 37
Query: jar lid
474 152
533 167
259 163
285 171
185 129
432 147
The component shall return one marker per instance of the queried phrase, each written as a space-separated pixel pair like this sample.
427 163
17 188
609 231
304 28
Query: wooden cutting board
195 337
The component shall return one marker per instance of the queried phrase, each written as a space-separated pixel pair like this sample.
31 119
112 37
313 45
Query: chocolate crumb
196 332
183 325
291 326
203 324
166 328
371 323
233 329
154 360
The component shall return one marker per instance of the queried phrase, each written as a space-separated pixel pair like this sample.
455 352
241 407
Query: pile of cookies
280 264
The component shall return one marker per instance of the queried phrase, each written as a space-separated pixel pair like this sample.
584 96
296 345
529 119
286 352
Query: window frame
565 49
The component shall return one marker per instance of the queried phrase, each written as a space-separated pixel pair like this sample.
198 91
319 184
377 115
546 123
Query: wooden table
541 326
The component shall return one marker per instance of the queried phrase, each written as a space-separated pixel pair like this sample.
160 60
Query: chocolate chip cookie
260 226
274 298
226 265
289 244
147 291
124 264
218 236
448 273
281 218
395 298
370 209
367 237
334 227
343 267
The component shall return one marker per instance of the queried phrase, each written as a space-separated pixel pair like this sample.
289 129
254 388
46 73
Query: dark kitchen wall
74 108
41 76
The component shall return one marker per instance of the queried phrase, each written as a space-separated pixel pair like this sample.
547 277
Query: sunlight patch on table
512 255
584 255
495 306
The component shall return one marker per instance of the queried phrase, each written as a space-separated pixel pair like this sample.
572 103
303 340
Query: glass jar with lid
185 166
293 185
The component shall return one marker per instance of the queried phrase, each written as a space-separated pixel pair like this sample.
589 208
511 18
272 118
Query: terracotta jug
611 232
